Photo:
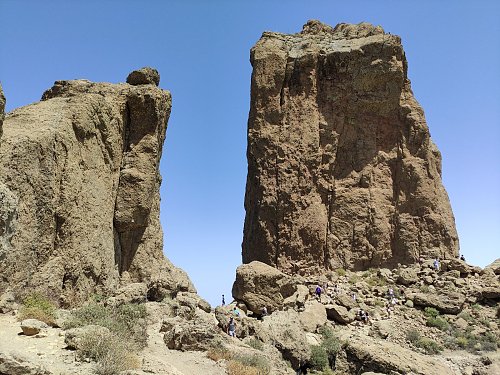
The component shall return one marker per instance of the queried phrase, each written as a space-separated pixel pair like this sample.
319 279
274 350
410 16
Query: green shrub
413 336
429 346
331 344
465 316
353 279
438 322
38 306
425 288
431 312
461 342
255 361
127 321
319 358
256 344
340 271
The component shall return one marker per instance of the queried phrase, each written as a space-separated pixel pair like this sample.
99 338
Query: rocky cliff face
82 169
341 168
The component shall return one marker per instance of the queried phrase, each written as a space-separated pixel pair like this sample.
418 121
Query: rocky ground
453 311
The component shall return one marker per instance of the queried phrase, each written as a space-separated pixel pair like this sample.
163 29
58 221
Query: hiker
388 309
223 301
303 367
354 297
318 293
231 327
436 264
462 258
264 311
236 311
390 293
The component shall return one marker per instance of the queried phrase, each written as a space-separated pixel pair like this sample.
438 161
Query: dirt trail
47 351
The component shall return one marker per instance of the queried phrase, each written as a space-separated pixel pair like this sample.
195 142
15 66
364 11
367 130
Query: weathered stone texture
341 168
82 166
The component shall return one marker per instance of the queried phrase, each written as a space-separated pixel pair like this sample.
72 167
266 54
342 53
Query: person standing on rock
462 258
436 264
231 327
223 301
318 293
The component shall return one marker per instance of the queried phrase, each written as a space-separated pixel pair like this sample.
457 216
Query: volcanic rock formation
82 169
341 168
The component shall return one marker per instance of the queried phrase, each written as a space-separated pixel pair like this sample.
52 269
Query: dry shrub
112 354
238 368
37 306
216 354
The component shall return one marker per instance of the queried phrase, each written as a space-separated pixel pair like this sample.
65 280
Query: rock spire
82 167
342 171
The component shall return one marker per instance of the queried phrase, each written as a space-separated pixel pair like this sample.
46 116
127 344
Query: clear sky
201 49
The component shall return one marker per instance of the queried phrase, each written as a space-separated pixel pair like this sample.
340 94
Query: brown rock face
2 110
341 168
82 166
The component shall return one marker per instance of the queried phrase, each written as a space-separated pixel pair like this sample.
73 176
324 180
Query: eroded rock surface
82 170
341 168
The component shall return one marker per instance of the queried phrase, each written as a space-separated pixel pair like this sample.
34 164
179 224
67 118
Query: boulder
258 285
346 301
407 276
495 266
313 316
288 336
339 314
81 171
17 363
8 302
144 76
449 303
382 328
459 265
32 327
197 334
367 354
131 293
342 172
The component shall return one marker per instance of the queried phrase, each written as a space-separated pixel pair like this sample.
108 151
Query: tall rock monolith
82 167
342 171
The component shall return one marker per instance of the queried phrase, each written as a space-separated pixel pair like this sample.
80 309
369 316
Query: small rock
32 327
144 76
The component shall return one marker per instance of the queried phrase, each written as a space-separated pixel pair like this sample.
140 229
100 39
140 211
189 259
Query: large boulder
197 334
17 363
340 314
366 354
407 276
313 316
446 303
495 266
82 171
258 285
288 336
144 76
342 171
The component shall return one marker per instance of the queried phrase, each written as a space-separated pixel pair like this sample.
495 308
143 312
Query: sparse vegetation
239 364
37 306
113 350
438 322
112 354
256 344
127 321
431 312
340 271
427 345
319 358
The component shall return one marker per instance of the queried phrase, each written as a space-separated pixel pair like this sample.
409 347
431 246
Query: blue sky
201 49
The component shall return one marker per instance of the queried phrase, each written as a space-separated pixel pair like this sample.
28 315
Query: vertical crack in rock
338 142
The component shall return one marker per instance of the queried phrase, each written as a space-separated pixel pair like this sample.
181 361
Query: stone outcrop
2 110
82 168
258 285
365 354
341 168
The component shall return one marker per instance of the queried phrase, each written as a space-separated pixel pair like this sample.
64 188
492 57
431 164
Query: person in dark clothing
223 300
303 367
